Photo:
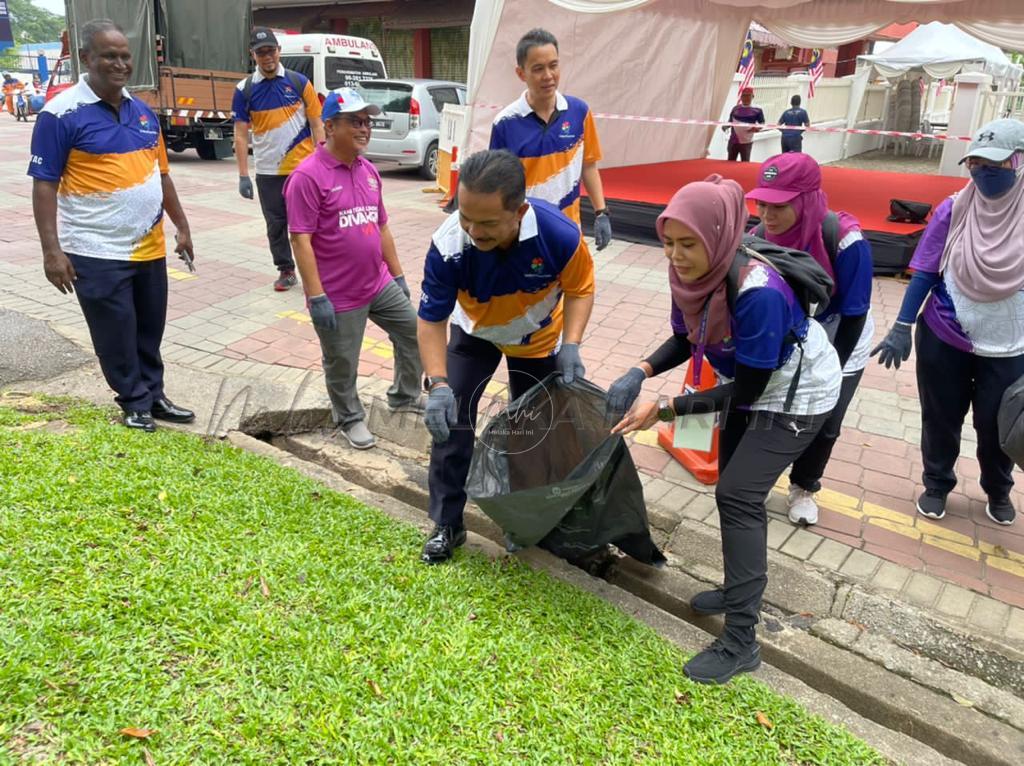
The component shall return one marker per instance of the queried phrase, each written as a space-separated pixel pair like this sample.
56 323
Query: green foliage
251 616
32 24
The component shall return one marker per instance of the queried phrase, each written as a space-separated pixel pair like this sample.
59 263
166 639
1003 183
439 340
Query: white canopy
942 51
676 58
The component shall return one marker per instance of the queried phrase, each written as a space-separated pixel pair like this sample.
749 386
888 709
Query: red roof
895 32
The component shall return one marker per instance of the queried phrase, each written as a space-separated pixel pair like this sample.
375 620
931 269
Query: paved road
31 350
226 319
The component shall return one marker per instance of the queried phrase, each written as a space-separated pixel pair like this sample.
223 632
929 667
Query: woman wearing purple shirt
969 266
773 397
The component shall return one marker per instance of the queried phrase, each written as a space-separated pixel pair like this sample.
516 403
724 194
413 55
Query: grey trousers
393 313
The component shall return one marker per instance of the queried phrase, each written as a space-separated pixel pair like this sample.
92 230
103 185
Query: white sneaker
802 508
358 435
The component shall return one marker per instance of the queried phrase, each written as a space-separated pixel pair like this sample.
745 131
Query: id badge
694 432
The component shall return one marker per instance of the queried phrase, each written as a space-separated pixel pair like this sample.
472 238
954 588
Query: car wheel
429 167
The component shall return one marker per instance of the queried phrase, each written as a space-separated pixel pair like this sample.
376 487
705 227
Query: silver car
407 129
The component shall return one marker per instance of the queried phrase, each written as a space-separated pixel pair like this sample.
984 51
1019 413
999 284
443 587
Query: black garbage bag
1011 422
548 472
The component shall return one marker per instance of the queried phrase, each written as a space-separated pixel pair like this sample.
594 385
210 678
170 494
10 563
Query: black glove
245 186
321 311
623 392
895 348
441 413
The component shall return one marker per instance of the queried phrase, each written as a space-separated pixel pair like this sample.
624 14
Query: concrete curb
894 745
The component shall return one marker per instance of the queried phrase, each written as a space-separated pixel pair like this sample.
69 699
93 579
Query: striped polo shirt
553 153
108 165
279 118
512 298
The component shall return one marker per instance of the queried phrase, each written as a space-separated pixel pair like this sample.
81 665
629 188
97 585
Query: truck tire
428 169
213 150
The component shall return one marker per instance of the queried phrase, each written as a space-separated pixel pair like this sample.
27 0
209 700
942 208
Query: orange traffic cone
703 465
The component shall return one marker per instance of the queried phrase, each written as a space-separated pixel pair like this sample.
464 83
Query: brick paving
226 318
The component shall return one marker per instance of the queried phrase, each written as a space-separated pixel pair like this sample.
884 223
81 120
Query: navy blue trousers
471 363
125 307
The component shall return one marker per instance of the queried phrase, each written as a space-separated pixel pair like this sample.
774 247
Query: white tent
675 58
942 51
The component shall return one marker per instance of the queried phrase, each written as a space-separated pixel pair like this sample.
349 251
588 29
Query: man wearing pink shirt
348 263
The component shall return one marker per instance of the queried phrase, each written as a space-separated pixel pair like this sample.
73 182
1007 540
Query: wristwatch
602 211
432 380
665 412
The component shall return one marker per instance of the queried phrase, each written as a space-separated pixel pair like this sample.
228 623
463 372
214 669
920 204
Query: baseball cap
786 176
346 101
262 37
997 140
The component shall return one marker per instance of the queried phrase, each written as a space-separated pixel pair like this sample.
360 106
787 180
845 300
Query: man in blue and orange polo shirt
283 111
99 191
553 135
515 278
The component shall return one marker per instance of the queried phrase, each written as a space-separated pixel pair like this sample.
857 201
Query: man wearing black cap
284 112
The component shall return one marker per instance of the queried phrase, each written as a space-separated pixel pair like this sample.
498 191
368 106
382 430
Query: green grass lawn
249 615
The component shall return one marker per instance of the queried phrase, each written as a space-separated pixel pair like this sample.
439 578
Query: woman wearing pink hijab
970 344
768 420
794 213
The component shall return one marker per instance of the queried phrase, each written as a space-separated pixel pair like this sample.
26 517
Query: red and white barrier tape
768 126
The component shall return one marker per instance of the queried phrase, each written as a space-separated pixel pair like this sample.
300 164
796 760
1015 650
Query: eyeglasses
356 122
264 52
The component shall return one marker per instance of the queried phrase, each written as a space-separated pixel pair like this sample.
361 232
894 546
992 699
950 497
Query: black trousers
810 466
948 382
125 307
754 449
271 189
471 363
792 144
738 151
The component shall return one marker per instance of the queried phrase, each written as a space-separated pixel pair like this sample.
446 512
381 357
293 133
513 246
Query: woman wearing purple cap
970 344
794 213
773 398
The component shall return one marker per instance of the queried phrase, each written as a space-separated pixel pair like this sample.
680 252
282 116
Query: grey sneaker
802 508
358 435
285 281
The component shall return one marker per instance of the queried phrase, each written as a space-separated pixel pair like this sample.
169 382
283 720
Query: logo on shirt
566 126
144 121
536 265
357 216
372 183
770 173
289 90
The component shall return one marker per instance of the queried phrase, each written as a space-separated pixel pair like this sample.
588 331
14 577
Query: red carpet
862 193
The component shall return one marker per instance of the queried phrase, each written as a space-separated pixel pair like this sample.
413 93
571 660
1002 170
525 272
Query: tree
32 24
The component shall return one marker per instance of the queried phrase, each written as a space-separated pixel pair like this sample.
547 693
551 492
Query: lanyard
698 355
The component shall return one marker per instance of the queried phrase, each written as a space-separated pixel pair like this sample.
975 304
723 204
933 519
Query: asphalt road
30 350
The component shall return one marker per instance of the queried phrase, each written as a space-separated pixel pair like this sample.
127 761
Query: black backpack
829 233
293 77
809 282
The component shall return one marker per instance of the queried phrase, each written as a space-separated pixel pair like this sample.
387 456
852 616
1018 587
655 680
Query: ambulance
332 61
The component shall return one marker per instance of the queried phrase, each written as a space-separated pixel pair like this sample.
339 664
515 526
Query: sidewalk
227 320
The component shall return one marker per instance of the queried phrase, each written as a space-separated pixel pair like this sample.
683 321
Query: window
389 96
301 64
442 96
340 72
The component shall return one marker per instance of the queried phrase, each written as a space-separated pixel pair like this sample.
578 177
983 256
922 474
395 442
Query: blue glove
441 413
623 392
321 311
569 362
602 231
245 186
895 348
400 281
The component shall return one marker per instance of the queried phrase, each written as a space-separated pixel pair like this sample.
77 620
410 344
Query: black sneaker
932 504
720 662
140 421
709 602
285 281
442 544
1000 510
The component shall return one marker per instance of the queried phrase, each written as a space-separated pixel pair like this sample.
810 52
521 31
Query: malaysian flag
816 70
747 63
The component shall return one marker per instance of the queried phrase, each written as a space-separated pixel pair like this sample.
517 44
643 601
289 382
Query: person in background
793 140
349 264
554 136
778 398
741 139
100 186
515 278
11 86
969 265
794 213
283 111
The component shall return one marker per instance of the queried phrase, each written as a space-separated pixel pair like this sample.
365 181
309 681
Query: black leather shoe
165 409
143 421
442 543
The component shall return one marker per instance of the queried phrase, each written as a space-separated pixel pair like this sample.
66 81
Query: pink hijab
715 211
985 246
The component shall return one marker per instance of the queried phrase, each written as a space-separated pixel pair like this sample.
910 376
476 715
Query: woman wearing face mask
794 213
970 344
751 349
